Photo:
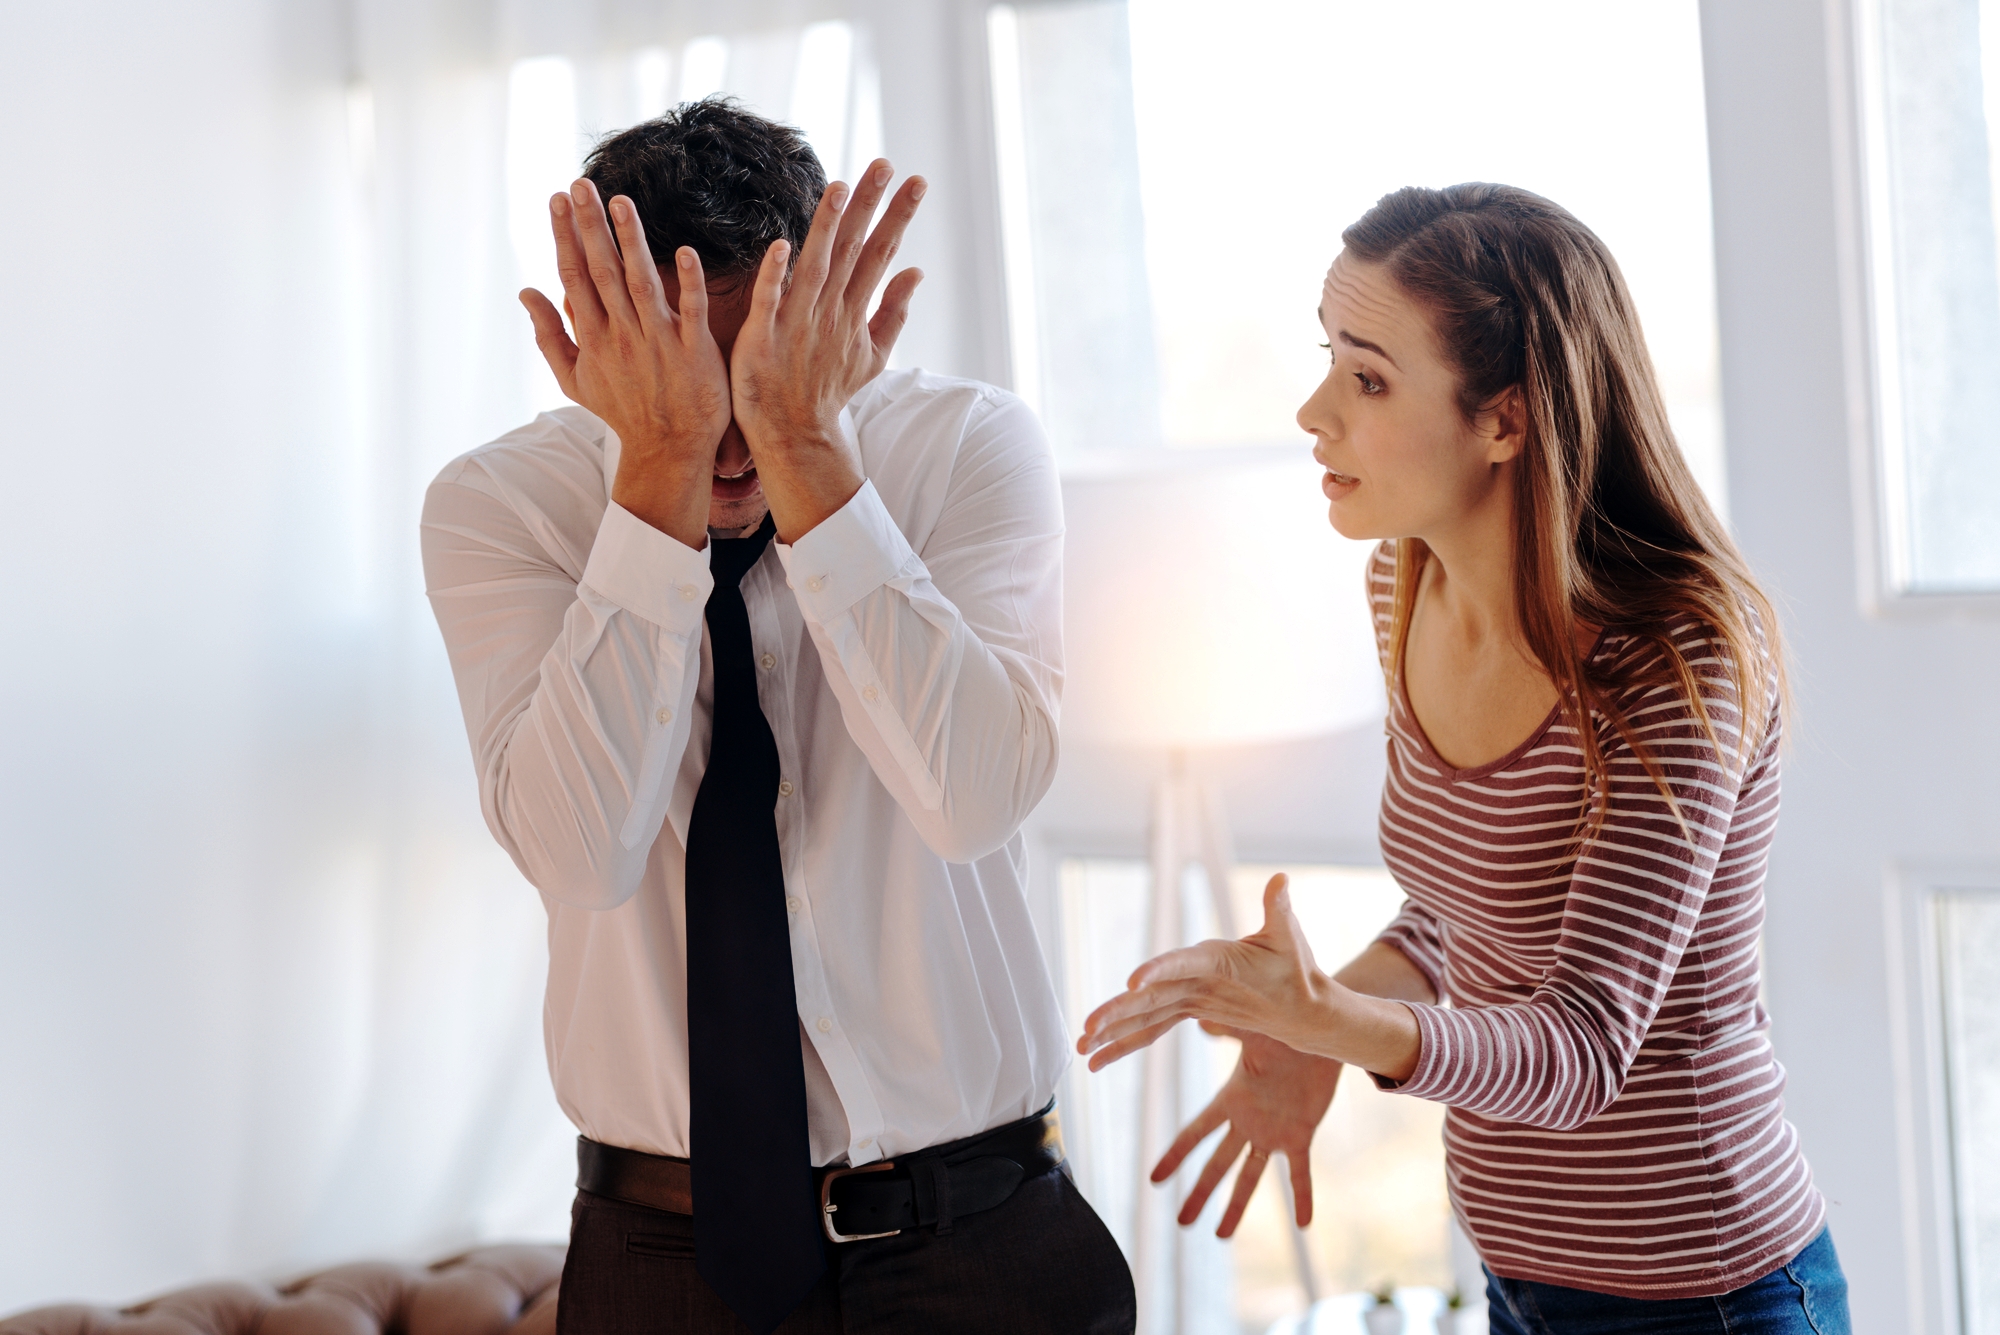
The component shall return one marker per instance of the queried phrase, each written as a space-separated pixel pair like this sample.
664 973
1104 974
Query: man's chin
736 514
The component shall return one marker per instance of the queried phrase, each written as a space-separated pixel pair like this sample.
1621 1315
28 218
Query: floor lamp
1208 604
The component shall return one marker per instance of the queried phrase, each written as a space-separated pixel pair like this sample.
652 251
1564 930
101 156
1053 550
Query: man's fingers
586 312
894 313
885 242
1191 1135
852 236
693 318
600 255
552 339
642 279
770 289
1211 1173
1302 1185
1239 1198
809 274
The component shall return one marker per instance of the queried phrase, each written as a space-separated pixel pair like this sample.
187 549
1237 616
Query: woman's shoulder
1660 670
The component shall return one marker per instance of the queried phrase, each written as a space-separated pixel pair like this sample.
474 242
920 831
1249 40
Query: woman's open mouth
1336 485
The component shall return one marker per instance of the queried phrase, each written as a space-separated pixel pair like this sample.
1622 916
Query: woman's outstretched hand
1274 1101
1266 983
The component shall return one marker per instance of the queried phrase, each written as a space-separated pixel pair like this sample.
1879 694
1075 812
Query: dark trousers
1040 1261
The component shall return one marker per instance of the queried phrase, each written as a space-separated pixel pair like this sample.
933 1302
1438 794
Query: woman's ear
1506 426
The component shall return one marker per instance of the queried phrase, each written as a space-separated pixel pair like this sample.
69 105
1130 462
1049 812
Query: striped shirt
1615 1116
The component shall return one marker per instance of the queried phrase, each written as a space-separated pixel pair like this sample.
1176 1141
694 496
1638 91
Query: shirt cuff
647 573
847 556
1433 1055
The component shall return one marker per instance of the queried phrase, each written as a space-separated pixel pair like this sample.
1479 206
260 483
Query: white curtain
269 995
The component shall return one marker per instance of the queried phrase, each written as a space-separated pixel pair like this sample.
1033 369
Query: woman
1582 787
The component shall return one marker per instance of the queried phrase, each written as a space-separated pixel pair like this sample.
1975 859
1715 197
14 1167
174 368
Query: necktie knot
730 558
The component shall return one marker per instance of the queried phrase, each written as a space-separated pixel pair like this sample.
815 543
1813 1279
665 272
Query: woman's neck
1470 577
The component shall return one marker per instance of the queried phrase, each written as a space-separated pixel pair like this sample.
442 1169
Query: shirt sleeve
947 665
1415 933
577 687
1634 896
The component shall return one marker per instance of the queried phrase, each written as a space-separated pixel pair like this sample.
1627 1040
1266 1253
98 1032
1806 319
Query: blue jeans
1805 1296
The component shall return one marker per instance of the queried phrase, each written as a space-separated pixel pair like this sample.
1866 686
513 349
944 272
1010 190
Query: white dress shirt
909 662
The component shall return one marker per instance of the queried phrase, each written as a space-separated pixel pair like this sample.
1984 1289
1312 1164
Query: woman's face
1401 459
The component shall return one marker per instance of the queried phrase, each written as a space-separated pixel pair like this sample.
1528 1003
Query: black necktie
756 1221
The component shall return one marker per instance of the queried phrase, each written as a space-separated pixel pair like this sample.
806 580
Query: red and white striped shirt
1615 1116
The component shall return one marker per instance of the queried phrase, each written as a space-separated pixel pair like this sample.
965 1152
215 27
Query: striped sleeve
1559 1058
1416 934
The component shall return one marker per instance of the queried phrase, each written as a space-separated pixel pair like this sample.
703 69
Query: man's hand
1274 1101
806 349
654 375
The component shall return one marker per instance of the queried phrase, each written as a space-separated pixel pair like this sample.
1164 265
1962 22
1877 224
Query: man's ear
1506 426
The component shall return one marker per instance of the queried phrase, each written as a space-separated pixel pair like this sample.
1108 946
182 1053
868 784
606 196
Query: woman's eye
1368 386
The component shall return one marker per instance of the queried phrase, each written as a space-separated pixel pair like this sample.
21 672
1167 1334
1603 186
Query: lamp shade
1207 601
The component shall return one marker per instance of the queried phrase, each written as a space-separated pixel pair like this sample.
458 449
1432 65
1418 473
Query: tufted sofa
491 1291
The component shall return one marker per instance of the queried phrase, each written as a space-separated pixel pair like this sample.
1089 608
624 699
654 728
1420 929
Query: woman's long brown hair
1611 528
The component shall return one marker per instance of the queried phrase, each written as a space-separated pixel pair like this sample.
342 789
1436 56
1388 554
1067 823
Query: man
759 653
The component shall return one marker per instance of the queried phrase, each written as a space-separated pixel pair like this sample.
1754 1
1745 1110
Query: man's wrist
671 496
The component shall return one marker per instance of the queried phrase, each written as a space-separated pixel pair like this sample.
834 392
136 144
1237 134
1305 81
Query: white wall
1897 719
268 993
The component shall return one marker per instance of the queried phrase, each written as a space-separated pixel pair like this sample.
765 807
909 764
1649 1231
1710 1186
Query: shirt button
792 904
869 693
784 788
769 661
687 592
825 1025
815 584
665 716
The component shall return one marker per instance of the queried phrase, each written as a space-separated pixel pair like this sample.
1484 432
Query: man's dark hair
711 175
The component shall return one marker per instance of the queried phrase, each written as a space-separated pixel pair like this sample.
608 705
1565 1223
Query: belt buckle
827 1207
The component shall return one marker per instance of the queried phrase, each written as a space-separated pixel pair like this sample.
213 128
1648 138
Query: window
1968 943
1175 177
1929 85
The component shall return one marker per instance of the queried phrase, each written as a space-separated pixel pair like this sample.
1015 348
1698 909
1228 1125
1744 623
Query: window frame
1868 279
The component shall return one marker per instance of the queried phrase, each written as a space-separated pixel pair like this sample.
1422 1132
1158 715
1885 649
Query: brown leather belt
926 1189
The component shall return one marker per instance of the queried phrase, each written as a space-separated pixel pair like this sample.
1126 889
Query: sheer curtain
269 994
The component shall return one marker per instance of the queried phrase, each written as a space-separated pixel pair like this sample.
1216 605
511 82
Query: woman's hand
1267 983
808 346
1274 1101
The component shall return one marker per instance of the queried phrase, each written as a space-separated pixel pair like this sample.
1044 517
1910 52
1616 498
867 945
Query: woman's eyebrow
1375 348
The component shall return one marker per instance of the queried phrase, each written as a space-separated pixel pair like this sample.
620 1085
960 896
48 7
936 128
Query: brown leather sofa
491 1291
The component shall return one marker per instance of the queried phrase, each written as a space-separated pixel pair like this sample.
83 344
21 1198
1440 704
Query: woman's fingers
1191 1135
600 257
579 294
1130 1044
1196 961
1212 1172
642 279
552 339
1130 1011
1302 1185
1239 1199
